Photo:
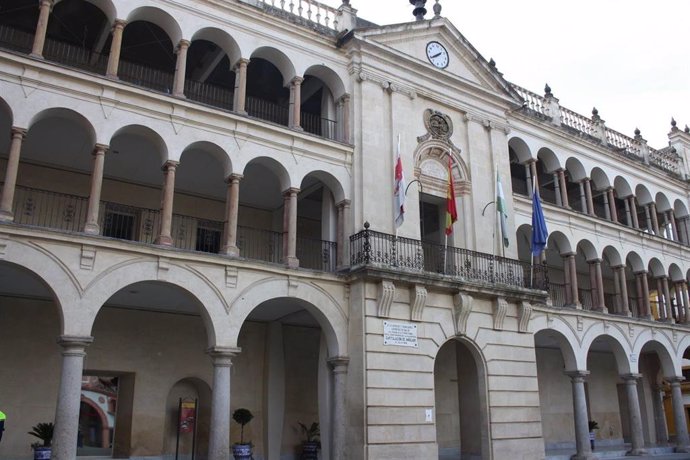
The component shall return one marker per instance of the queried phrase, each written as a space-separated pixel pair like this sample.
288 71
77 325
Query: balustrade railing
40 208
15 39
380 249
533 101
316 254
576 121
310 12
260 244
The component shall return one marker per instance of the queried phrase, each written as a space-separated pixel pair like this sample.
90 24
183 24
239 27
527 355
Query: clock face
437 54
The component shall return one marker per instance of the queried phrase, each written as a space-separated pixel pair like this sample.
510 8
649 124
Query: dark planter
310 450
242 451
42 453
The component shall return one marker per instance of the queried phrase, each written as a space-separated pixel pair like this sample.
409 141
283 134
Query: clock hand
436 55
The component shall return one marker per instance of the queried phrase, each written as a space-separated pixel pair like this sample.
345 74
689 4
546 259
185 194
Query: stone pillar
564 188
588 196
570 260
240 95
339 424
612 204
682 438
638 291
165 235
607 205
597 282
232 206
346 118
633 212
9 186
115 49
69 397
648 219
295 121
44 7
667 299
636 435
686 302
557 189
659 415
680 308
91 226
674 226
647 308
655 218
567 291
535 175
624 303
219 439
528 177
290 228
180 68
341 240
628 215
584 450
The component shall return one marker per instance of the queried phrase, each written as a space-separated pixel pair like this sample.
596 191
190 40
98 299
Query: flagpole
531 266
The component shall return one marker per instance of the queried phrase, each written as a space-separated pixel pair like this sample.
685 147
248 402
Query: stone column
9 186
180 68
528 177
240 95
680 308
612 204
655 218
638 290
346 118
557 189
647 308
633 211
91 226
564 188
686 302
648 219
624 303
232 206
588 196
295 121
674 226
69 397
290 228
567 291
659 415
584 450
219 439
682 438
535 175
628 215
607 205
339 424
570 260
636 435
667 299
165 235
115 49
597 282
44 7
342 241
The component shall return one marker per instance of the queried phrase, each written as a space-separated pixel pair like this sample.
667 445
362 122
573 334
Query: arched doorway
462 419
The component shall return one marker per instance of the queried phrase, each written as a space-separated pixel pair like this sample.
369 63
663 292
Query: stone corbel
163 267
463 308
88 257
500 311
524 315
231 274
419 294
386 294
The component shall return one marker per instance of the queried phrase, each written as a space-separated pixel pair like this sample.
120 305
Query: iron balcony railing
162 81
67 212
371 248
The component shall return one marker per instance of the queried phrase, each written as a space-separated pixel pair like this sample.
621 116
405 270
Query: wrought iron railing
316 254
373 248
60 211
16 39
260 244
267 110
74 56
314 124
209 94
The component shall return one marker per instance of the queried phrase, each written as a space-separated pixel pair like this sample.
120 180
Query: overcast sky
628 58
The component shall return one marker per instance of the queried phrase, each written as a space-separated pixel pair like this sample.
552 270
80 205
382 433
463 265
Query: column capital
631 377
585 179
568 254
241 62
641 273
530 161
577 375
344 98
101 149
222 356
50 3
675 379
662 277
618 267
291 191
297 80
74 345
343 204
119 23
594 261
234 177
170 164
339 364
184 43
18 132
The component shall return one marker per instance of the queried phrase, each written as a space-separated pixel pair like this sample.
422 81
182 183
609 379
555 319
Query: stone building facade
198 205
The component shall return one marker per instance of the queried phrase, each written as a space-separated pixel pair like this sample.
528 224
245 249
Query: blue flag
539 232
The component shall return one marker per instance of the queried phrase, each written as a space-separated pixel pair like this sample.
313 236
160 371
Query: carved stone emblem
439 125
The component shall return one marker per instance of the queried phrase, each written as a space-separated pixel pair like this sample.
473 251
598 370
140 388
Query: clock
437 54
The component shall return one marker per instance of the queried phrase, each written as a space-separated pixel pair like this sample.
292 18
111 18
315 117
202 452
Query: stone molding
463 308
500 311
419 294
386 294
524 315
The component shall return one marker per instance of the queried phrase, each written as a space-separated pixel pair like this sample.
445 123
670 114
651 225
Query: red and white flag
399 187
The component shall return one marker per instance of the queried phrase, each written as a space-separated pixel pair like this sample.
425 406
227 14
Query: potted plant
593 425
310 443
44 432
240 450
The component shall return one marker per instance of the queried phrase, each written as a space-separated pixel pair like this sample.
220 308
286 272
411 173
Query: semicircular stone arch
616 339
564 335
431 168
660 343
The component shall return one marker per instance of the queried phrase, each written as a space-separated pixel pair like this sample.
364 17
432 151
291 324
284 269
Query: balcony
64 212
375 249
144 76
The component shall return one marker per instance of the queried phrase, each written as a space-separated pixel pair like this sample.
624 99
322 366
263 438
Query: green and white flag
501 209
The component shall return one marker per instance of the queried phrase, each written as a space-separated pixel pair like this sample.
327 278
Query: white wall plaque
400 334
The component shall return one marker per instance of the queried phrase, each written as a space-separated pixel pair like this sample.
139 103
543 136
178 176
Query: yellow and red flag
451 209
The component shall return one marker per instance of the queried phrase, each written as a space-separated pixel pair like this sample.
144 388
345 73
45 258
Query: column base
112 77
635 452
232 251
297 128
600 309
241 112
92 229
625 314
292 262
576 306
164 240
6 216
37 56
584 457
